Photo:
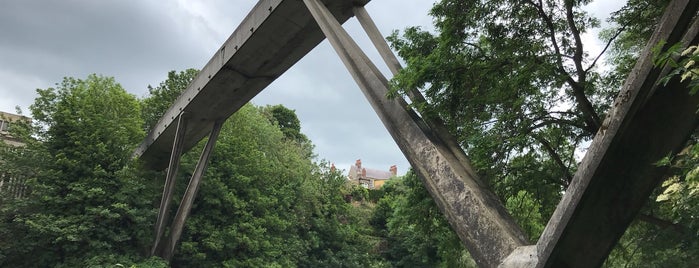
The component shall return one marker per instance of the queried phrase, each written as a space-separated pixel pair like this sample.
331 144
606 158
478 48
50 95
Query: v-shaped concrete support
190 194
648 121
471 208
608 190
169 187
165 248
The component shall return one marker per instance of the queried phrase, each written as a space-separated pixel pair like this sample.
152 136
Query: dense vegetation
267 201
263 201
518 88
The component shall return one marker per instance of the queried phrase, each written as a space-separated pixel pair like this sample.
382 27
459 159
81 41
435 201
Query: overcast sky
139 41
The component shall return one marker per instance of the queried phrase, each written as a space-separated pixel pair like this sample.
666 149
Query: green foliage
665 233
632 26
84 205
518 89
160 98
359 193
416 233
97 104
526 211
678 199
648 245
244 214
286 120
521 133
264 203
682 62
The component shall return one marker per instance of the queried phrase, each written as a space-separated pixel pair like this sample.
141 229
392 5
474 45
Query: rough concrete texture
473 211
521 257
646 123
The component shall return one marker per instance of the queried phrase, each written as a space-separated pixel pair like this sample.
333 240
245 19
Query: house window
4 126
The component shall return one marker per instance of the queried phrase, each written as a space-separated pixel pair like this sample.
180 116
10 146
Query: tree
264 202
416 233
521 132
665 233
244 213
160 98
287 121
85 208
632 26
514 83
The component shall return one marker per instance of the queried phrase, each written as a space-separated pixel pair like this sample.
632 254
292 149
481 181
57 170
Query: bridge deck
271 39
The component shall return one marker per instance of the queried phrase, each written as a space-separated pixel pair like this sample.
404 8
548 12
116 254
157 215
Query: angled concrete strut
473 211
647 122
169 187
185 207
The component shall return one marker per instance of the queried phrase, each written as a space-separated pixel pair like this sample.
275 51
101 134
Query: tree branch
479 48
591 117
578 54
547 120
609 43
552 34
556 158
663 224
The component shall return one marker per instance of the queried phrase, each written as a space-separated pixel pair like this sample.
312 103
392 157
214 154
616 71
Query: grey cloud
138 42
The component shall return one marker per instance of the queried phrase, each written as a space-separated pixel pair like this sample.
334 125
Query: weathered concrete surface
272 38
617 175
170 178
168 249
521 257
434 124
471 208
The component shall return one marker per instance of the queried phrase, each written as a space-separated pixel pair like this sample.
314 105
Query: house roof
378 174
370 173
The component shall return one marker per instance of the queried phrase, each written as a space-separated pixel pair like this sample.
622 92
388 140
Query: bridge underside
646 123
272 38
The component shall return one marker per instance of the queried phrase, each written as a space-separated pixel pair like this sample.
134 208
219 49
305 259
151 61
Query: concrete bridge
647 122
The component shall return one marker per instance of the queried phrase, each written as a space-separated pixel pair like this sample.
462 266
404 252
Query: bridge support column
169 187
473 211
377 39
190 194
647 122
164 248
434 123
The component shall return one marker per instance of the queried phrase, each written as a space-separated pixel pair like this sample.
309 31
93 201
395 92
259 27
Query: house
10 186
368 177
6 122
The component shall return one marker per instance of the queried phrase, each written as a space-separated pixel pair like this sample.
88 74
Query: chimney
332 167
394 170
364 173
358 164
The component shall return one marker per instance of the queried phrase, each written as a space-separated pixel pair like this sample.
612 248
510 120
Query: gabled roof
370 173
378 174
